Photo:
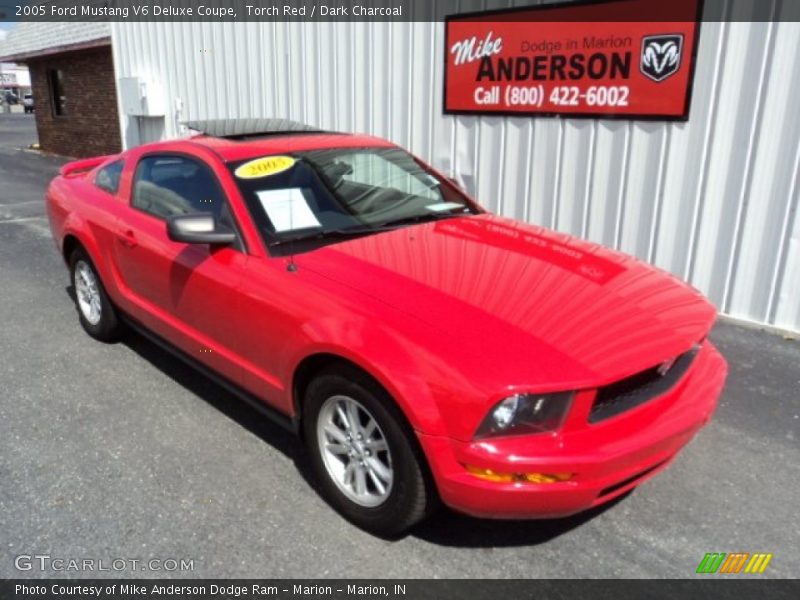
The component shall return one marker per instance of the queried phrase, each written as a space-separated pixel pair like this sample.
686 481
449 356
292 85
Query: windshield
325 196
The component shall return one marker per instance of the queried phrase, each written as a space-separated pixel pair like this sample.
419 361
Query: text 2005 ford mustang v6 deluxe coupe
423 348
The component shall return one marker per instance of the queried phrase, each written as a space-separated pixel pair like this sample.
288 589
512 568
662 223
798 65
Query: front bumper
606 459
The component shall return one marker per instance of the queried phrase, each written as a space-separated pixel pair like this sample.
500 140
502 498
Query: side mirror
198 228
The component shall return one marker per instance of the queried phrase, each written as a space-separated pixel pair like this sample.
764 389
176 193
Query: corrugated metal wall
713 200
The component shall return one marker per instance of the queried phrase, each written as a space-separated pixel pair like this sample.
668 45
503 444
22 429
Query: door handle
128 239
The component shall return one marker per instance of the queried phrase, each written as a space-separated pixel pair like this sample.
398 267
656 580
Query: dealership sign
529 62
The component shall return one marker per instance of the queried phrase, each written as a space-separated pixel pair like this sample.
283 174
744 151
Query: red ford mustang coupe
423 348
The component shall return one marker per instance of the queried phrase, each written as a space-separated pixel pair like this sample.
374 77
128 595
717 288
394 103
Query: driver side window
168 185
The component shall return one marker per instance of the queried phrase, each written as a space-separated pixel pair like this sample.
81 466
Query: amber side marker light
496 477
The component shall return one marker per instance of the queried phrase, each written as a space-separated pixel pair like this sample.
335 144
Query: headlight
525 414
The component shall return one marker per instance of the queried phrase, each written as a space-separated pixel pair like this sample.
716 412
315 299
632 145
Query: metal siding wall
713 200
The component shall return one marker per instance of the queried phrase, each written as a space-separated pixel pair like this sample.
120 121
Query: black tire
412 496
108 327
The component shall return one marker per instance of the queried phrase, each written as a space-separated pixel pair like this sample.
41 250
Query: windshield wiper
328 233
421 218
359 231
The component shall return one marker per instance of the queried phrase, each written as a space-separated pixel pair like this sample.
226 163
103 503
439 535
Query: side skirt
289 423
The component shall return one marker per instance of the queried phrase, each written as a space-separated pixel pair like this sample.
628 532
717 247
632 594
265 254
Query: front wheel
97 315
363 455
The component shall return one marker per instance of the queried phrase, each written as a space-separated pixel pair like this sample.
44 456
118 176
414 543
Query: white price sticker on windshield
288 209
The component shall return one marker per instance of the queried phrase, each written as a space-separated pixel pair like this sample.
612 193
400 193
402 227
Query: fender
76 226
399 366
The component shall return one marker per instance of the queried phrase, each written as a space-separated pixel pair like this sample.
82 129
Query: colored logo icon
735 562
661 56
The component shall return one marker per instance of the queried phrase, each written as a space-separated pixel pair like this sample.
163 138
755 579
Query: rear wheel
97 315
368 466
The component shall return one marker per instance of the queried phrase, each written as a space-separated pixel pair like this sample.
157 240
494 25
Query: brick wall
91 124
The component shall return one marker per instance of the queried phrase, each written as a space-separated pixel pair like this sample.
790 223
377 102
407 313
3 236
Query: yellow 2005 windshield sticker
263 167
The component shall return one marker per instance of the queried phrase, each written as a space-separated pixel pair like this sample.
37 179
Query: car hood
519 305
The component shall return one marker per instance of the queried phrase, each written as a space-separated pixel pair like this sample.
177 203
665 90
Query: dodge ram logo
661 56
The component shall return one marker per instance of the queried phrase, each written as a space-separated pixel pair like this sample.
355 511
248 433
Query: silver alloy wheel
355 451
88 292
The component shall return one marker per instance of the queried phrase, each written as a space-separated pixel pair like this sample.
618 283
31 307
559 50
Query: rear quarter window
107 178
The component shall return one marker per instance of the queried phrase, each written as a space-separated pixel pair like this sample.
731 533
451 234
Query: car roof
241 139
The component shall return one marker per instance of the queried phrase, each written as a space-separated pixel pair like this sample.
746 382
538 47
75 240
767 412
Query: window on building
175 185
107 178
59 100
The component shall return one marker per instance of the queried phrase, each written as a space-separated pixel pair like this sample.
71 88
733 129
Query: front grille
633 391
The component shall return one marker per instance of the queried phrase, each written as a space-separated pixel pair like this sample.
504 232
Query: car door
185 293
